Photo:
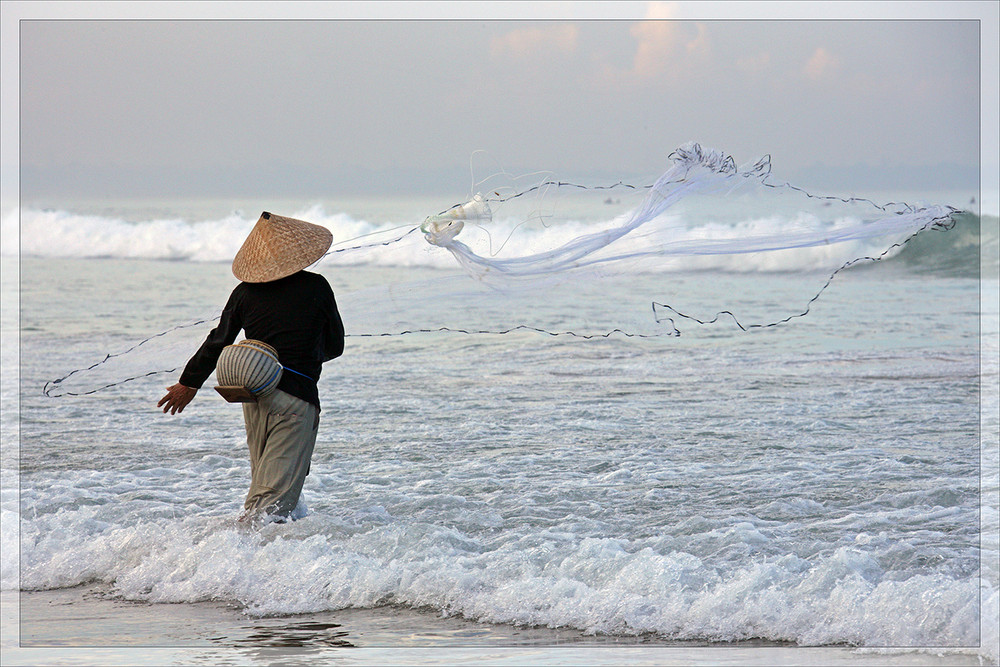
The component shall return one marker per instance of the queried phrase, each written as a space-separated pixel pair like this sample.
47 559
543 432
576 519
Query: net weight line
53 384
938 224
761 169
504 332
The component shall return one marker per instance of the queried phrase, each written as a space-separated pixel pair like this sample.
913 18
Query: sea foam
599 585
698 245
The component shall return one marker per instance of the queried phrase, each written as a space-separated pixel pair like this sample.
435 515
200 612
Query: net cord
760 170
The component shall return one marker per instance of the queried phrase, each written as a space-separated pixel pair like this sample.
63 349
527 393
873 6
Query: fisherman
293 311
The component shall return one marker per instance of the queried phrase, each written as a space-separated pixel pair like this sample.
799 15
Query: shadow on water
295 635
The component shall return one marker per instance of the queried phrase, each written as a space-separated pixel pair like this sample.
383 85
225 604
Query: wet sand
82 616
87 626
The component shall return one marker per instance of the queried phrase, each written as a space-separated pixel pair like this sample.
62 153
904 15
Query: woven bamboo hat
278 247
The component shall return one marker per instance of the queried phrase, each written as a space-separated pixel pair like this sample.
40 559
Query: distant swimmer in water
294 314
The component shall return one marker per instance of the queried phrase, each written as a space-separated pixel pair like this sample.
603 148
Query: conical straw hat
278 247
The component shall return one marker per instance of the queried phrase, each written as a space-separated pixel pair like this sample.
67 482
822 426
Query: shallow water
828 482
777 485
84 625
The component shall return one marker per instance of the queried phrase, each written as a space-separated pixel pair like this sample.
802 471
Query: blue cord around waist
298 373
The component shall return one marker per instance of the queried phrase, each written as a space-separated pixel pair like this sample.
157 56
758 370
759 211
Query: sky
119 100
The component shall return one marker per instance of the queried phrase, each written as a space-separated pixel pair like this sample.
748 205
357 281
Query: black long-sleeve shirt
296 315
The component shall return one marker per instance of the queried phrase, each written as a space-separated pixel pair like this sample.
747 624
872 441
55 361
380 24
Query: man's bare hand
177 398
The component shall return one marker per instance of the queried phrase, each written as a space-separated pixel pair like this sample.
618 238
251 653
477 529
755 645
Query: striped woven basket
251 365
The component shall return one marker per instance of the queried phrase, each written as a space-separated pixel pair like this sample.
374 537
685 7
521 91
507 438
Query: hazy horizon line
118 182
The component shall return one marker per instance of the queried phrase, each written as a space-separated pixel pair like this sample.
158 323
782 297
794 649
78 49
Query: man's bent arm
201 365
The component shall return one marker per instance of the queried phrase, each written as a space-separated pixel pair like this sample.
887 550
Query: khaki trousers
281 434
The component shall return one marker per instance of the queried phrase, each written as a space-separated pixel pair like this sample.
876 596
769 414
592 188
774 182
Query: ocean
558 468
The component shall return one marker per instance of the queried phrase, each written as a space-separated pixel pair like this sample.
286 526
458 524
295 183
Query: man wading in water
294 312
